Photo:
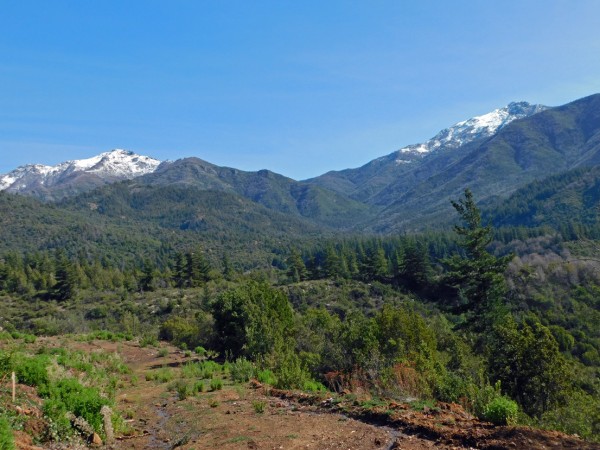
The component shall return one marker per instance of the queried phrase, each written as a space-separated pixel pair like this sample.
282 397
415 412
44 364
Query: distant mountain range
495 154
72 177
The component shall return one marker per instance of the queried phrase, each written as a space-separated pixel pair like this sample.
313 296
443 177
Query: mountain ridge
493 154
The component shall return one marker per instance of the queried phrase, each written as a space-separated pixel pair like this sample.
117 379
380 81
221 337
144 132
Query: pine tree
478 276
148 273
296 269
65 286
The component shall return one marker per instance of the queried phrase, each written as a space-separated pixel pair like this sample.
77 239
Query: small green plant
502 411
314 386
147 340
199 386
421 405
163 352
187 353
32 371
216 384
182 389
7 441
241 370
162 375
267 377
213 403
259 406
200 351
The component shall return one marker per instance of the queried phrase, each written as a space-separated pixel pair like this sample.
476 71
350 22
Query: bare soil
231 419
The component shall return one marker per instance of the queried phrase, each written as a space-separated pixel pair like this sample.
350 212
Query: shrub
199 386
482 397
32 371
290 373
55 412
241 370
7 441
192 370
313 386
267 377
164 375
163 352
200 351
216 384
82 401
259 407
502 411
147 340
182 389
209 368
451 388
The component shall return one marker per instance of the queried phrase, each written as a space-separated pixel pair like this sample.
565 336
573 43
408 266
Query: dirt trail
227 419
231 419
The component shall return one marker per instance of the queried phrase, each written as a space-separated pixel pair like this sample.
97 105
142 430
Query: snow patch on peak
467 131
117 164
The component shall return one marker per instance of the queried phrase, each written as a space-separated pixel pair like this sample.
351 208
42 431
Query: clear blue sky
298 87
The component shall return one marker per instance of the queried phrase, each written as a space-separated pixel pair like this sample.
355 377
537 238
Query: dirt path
227 419
252 417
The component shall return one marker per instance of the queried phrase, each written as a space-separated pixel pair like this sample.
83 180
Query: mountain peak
117 164
469 130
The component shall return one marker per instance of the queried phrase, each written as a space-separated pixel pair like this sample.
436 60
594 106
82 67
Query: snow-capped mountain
105 168
469 130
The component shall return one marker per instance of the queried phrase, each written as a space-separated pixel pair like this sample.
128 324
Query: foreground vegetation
507 330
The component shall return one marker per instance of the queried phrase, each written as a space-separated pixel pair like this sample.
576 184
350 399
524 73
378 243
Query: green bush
209 368
7 441
267 377
241 370
290 373
192 370
482 397
164 375
82 401
147 340
452 387
182 389
502 411
200 351
32 371
313 386
55 412
216 384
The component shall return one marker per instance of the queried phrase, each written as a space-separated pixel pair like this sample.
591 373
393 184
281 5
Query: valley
442 296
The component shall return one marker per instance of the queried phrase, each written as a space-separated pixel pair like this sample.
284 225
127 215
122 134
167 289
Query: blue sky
298 87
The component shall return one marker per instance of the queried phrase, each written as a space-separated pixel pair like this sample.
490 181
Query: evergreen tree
180 270
227 268
526 360
146 282
66 283
478 276
296 269
415 270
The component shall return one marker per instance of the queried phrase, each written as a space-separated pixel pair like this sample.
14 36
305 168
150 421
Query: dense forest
503 321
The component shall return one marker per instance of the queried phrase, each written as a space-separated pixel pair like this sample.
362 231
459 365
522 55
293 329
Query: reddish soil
228 418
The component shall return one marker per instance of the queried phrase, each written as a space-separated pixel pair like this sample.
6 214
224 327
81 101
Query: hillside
271 190
544 144
124 223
